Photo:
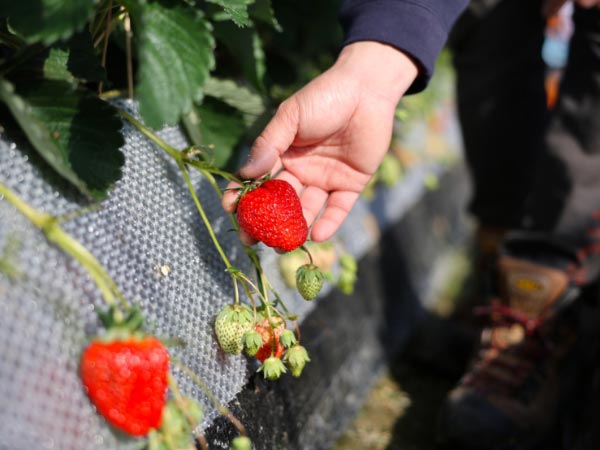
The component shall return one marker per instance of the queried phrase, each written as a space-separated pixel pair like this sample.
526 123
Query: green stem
207 172
177 156
223 410
308 253
207 223
172 151
11 40
50 226
39 219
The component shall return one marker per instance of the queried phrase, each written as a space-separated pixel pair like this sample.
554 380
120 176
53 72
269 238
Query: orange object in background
552 85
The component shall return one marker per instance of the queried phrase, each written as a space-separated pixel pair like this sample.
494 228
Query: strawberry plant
199 64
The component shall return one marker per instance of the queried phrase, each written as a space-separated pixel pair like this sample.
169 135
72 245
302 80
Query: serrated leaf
235 10
74 131
46 20
218 125
250 104
175 53
263 10
246 48
74 60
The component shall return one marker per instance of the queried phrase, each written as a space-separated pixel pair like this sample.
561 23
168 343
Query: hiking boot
508 398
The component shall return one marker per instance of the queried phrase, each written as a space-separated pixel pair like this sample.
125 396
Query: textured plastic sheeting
48 314
149 221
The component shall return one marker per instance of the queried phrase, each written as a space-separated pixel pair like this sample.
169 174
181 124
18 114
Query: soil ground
400 413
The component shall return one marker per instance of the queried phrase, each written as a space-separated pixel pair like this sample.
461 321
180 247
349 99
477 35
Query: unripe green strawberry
390 170
347 276
241 443
179 419
346 281
287 338
272 368
309 281
252 342
348 262
272 213
231 324
296 358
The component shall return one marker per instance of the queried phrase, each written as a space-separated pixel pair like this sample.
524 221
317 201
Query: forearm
417 27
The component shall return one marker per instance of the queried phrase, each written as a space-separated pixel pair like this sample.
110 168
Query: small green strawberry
296 358
230 326
389 171
241 443
272 368
287 338
348 262
177 429
347 276
309 281
252 342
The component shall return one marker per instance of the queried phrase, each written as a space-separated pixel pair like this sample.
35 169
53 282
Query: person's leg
508 399
496 48
563 208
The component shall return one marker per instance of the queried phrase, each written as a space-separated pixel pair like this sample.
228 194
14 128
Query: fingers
313 199
276 138
230 196
336 211
246 239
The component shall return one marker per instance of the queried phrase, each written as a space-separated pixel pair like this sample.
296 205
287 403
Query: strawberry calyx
236 313
250 185
119 328
180 417
272 368
252 342
296 358
287 338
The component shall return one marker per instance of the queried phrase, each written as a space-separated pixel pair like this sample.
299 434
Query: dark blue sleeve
417 27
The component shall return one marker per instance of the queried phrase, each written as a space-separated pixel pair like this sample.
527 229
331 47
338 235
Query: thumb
275 139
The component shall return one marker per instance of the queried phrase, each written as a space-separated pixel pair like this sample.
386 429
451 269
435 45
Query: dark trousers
534 171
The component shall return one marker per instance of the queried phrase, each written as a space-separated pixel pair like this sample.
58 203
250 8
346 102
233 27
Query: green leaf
175 53
235 10
74 131
250 104
74 60
263 10
246 48
218 125
46 20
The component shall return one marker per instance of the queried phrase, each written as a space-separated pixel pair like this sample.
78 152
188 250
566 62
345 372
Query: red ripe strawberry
272 214
127 381
270 335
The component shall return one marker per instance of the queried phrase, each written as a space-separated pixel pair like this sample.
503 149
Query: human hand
551 7
329 137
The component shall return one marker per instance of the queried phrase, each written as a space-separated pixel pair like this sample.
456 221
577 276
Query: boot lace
511 351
